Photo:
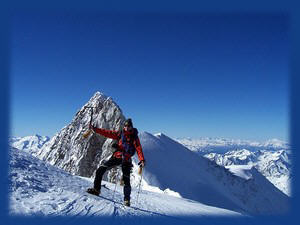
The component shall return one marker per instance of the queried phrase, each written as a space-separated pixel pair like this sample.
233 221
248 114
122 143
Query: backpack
128 146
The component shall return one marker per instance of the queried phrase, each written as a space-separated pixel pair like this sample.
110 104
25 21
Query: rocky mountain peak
69 150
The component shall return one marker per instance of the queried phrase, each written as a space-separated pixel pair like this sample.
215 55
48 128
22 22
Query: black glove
115 145
142 163
91 127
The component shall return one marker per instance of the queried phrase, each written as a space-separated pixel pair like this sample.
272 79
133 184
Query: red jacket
116 135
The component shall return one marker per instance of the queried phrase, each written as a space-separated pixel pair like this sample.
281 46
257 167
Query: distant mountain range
223 145
31 144
274 164
170 166
271 158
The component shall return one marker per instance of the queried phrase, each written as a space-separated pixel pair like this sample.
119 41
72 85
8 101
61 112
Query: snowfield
47 175
272 158
176 182
38 188
30 144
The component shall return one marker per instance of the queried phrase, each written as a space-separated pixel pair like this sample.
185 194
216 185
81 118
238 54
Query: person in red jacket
128 144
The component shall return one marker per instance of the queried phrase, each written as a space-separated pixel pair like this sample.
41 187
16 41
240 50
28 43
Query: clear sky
186 75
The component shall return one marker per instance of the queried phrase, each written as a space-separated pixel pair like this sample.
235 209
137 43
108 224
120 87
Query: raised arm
107 133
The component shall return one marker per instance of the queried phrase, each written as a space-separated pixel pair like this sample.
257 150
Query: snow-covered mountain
271 158
31 144
274 165
223 145
156 178
40 189
73 153
171 167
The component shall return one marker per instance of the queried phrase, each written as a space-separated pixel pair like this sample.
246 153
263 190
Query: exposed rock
73 153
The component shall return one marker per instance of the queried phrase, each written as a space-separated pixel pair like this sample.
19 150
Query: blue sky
186 75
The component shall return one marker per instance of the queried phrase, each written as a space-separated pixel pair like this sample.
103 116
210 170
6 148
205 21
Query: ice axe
87 133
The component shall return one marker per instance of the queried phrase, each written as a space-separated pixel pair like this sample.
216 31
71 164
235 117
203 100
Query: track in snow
38 188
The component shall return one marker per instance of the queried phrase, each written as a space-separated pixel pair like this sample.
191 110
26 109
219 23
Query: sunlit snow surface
271 158
38 188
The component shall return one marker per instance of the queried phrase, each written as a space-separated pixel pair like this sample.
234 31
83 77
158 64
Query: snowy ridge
172 170
244 172
38 188
271 158
171 165
222 145
274 165
73 153
31 144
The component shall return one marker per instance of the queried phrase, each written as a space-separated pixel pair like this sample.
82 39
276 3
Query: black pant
112 162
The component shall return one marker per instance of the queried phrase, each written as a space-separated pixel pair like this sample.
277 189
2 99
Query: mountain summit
73 153
170 166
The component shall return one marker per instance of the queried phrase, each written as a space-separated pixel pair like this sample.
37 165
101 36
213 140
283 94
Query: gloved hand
142 163
115 145
91 127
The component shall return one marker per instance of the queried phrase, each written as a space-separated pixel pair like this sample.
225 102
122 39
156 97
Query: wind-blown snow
38 188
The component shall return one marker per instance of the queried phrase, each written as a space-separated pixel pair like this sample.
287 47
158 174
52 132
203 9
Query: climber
128 144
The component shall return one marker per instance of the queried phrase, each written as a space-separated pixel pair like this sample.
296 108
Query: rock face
69 150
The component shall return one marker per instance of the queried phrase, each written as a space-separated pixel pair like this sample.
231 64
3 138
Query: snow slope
171 165
272 158
38 188
274 165
31 144
174 170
